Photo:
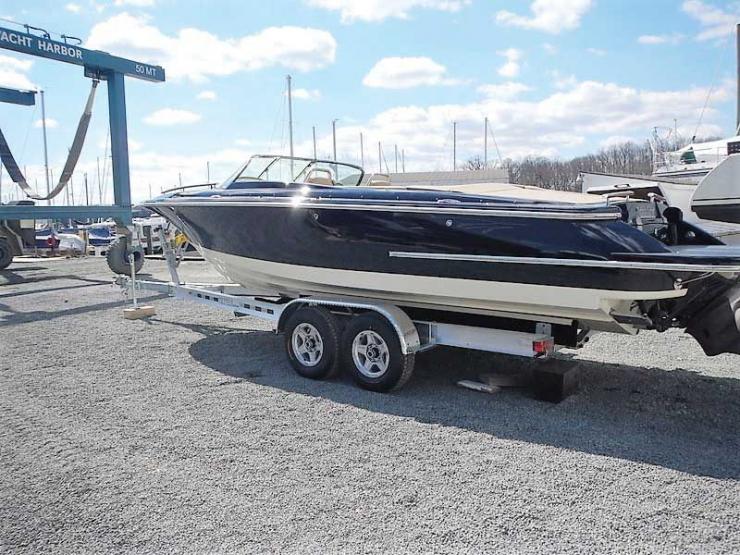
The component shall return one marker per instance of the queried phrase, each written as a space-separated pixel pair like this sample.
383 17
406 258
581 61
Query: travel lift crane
99 66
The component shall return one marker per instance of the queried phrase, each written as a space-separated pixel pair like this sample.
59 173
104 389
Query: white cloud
135 3
596 51
565 122
172 116
196 54
206 95
13 73
549 48
551 16
51 123
561 81
675 38
512 65
405 73
72 7
503 91
378 10
305 94
243 142
715 23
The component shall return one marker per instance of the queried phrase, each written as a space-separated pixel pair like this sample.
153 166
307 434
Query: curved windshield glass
297 170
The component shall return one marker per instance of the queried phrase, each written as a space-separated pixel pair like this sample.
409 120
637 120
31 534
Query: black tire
6 255
324 323
391 372
118 257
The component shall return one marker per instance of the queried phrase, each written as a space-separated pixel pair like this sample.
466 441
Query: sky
554 77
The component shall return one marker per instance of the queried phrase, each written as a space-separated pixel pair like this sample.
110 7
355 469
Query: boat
293 227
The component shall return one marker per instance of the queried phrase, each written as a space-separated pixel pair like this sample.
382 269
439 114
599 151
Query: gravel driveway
189 432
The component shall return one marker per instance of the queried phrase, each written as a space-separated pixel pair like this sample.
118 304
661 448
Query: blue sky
555 77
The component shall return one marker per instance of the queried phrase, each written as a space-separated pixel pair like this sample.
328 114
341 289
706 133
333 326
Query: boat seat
320 176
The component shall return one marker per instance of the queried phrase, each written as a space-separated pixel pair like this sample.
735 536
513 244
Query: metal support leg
169 256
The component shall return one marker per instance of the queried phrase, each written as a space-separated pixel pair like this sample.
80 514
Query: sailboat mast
290 115
362 150
485 142
454 146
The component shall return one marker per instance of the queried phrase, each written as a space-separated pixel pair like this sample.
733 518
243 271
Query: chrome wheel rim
370 354
308 346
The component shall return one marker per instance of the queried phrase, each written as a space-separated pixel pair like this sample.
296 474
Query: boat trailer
383 336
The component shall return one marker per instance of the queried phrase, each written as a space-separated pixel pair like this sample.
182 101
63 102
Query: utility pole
208 177
380 158
362 151
454 146
403 160
150 190
87 192
290 115
395 152
46 148
334 136
313 130
485 142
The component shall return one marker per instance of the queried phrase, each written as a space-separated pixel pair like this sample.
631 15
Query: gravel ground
189 432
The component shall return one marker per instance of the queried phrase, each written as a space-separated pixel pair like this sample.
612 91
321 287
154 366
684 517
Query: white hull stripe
618 264
446 293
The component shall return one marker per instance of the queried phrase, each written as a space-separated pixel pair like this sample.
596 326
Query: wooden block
554 379
138 313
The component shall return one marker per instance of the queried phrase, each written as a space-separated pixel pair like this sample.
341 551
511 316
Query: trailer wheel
372 352
118 257
312 342
6 255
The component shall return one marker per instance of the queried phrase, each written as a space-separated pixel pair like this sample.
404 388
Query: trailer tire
373 356
6 254
118 257
312 342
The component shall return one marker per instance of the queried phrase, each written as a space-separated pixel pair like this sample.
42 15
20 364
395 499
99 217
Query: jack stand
136 312
169 255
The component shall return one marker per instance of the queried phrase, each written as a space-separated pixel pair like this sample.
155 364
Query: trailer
373 340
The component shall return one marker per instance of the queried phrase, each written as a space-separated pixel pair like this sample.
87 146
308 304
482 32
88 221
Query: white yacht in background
693 162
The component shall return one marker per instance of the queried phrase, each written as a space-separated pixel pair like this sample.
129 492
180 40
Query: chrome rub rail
615 264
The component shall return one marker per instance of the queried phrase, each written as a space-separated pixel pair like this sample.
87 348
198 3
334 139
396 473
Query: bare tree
474 163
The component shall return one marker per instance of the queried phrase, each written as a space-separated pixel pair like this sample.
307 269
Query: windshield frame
304 171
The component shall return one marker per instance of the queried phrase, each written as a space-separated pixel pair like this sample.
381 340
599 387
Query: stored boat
294 227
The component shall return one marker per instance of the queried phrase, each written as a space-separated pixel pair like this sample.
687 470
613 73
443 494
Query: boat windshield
297 170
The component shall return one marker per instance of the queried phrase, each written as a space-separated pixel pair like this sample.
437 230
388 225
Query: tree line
553 173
